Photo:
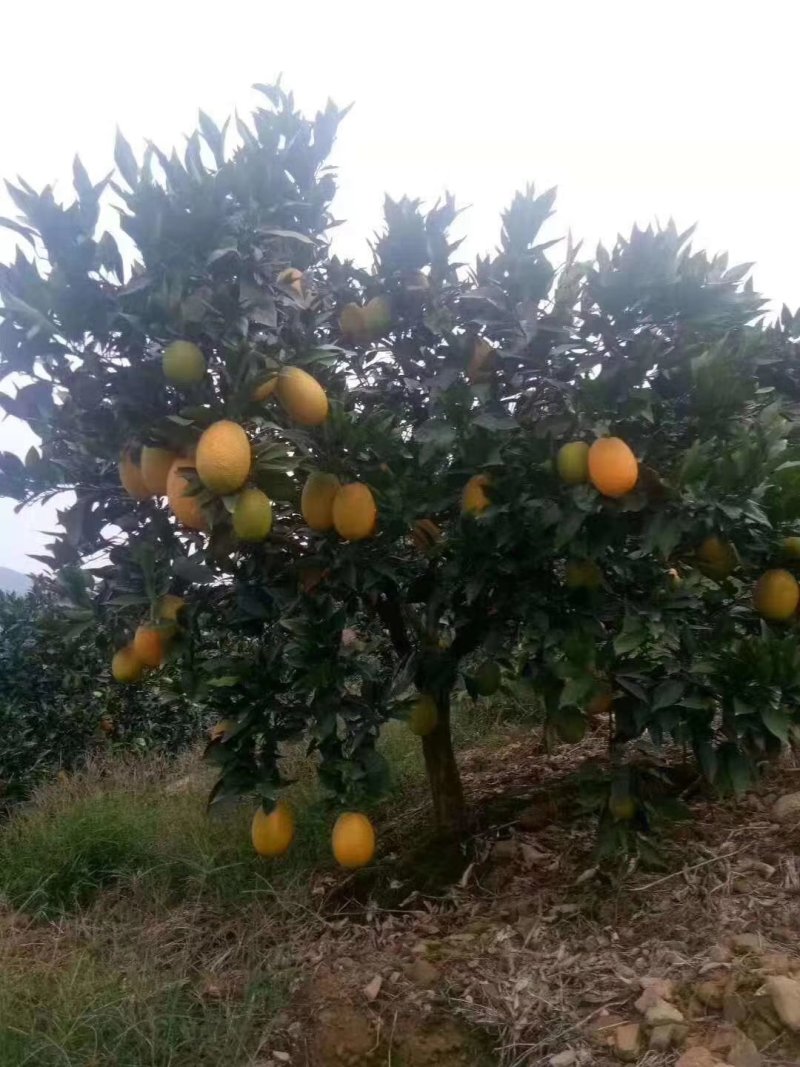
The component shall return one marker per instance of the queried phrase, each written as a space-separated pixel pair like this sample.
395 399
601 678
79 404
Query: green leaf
777 722
667 694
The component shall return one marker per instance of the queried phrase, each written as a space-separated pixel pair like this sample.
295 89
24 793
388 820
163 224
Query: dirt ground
520 950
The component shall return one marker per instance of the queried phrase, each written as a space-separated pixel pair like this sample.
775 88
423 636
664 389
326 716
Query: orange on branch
353 840
302 397
252 515
186 509
130 476
183 363
613 468
716 558
776 595
223 457
126 665
377 317
292 278
272 834
354 512
316 500
352 323
155 466
148 644
479 366
474 498
572 463
264 390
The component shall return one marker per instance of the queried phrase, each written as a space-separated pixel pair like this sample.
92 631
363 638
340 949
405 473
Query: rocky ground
526 952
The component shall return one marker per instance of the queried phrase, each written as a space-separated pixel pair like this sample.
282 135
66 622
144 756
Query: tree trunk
443 776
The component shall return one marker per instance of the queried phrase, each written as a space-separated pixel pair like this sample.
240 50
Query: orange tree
351 485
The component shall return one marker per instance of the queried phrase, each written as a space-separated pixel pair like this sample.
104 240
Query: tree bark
443 776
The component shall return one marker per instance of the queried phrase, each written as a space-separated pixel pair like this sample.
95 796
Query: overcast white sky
635 110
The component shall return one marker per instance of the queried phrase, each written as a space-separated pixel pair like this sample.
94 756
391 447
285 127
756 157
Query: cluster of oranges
150 642
352 840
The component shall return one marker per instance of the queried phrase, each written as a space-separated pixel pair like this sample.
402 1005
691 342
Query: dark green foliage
56 687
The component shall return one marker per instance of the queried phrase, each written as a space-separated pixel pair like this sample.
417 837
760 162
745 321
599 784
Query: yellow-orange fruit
352 323
354 512
183 363
265 390
791 547
353 840
186 509
316 500
126 665
572 463
223 457
155 465
479 367
424 716
716 558
272 834
169 606
613 468
252 515
131 478
583 574
302 397
292 278
622 808
474 498
776 595
219 729
148 644
377 316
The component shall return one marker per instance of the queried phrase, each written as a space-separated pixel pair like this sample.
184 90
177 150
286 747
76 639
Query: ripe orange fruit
377 316
155 465
716 558
613 468
302 397
148 644
292 278
353 840
223 457
265 390
424 716
126 665
131 478
572 463
352 323
791 547
186 509
583 574
316 500
479 367
272 834
474 499
354 512
776 595
252 515
183 363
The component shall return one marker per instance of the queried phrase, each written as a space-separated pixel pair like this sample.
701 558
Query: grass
135 929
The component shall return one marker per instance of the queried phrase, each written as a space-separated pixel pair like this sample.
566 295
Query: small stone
422 973
626 1041
747 942
785 995
505 851
282 1057
662 987
698 1056
563 1059
734 1009
786 809
661 1038
710 993
776 962
648 998
662 1012
372 988
720 954
743 1053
